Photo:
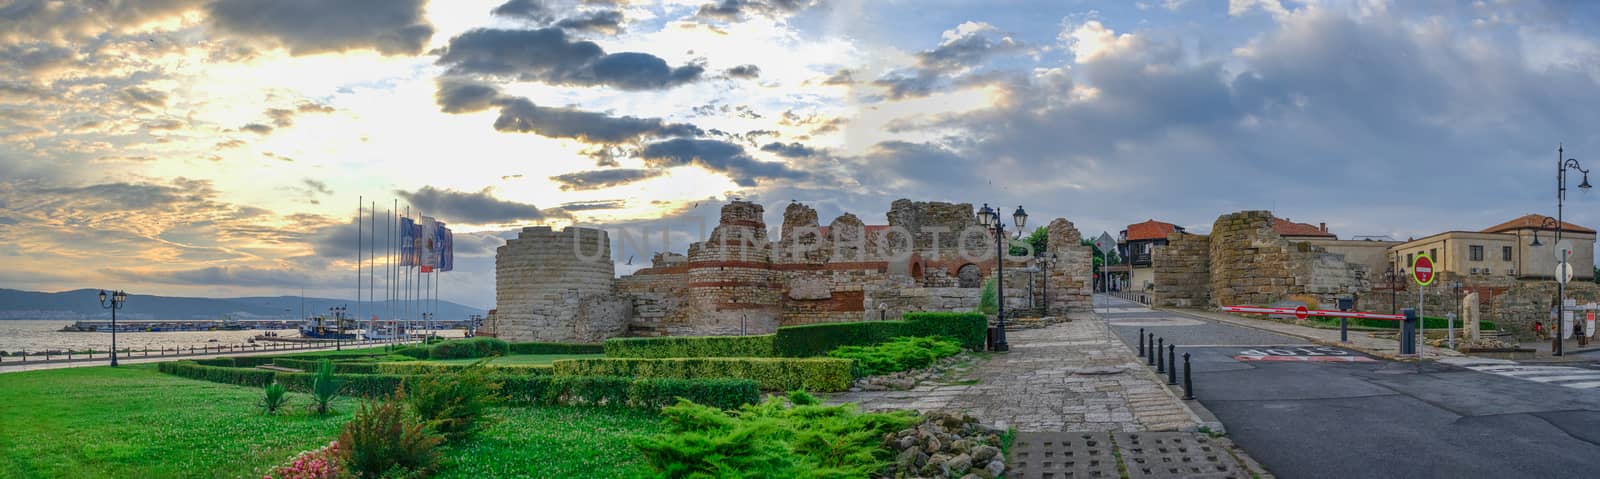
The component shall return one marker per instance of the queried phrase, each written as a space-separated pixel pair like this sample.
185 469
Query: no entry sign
1422 270
1301 313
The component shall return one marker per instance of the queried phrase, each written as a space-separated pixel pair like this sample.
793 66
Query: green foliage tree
1038 240
988 301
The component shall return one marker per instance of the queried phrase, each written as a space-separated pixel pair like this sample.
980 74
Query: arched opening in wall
916 270
969 276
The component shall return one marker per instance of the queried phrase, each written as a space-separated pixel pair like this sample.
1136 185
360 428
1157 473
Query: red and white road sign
1301 313
1422 270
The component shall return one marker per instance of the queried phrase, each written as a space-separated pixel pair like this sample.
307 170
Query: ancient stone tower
557 286
731 284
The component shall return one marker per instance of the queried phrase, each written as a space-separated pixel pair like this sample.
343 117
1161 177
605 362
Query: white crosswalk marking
1572 377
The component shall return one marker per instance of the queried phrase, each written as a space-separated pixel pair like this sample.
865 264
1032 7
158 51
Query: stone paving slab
1069 376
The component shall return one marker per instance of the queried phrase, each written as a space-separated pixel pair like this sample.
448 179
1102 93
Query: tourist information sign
1422 270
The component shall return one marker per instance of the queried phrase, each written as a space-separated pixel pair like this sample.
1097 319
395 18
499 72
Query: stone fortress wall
1243 261
740 281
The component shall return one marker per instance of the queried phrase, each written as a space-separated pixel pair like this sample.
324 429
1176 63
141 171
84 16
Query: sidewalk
12 367
1359 340
1064 377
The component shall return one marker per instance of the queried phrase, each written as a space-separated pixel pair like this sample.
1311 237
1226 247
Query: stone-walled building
1245 260
931 256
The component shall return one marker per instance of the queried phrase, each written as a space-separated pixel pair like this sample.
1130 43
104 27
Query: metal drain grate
1175 454
1062 455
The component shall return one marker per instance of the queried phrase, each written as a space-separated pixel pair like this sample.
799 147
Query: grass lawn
515 359
135 422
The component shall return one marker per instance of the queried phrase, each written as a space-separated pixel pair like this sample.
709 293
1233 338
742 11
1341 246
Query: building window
1411 261
1475 252
1505 253
1433 254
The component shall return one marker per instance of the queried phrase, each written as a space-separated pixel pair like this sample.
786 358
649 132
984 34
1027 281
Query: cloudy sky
219 147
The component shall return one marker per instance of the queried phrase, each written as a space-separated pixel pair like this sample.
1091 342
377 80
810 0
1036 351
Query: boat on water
384 330
323 327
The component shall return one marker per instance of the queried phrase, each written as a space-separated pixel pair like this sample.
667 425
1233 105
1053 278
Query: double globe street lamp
1562 165
113 302
990 218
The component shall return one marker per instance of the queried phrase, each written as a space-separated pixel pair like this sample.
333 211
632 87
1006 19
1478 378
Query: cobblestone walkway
1063 377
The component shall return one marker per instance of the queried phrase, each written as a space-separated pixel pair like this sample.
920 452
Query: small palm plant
275 399
324 388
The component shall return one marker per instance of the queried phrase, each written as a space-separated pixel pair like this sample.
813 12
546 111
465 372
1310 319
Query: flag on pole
447 254
408 239
428 244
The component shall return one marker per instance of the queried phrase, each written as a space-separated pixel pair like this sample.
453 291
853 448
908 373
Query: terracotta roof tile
1534 221
1285 227
1149 230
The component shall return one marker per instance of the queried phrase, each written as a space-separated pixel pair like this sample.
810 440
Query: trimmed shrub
411 368
341 367
770 374
220 362
719 393
647 394
899 354
240 376
469 348
760 346
364 385
414 352
970 329
556 348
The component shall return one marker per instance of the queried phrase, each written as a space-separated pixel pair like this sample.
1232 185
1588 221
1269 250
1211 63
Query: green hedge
410 368
217 374
770 374
339 367
556 348
649 393
469 348
970 329
415 352
760 346
526 389
370 385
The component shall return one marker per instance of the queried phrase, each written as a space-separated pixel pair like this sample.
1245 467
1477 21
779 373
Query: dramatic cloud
465 96
964 48
391 27
256 128
601 179
744 71
284 117
719 156
790 150
469 207
607 21
594 205
521 115
729 10
144 98
548 55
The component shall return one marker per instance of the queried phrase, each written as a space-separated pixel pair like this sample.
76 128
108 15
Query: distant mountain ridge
85 304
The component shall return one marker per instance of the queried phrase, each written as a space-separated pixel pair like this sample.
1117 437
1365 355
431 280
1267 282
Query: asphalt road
1376 418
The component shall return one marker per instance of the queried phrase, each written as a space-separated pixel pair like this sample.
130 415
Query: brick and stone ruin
931 256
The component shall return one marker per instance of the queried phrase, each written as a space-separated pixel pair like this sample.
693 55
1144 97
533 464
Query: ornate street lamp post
1049 261
1562 165
991 219
338 326
113 302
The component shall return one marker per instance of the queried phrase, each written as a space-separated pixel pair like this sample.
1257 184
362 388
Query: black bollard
1188 381
1172 365
1161 366
1150 359
1141 341
1344 331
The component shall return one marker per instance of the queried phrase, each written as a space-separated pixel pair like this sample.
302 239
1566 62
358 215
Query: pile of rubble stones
905 380
946 445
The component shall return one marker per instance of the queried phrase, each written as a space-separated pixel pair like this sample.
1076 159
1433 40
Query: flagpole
361 202
372 263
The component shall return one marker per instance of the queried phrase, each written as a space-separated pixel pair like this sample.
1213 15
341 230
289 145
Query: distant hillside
85 304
